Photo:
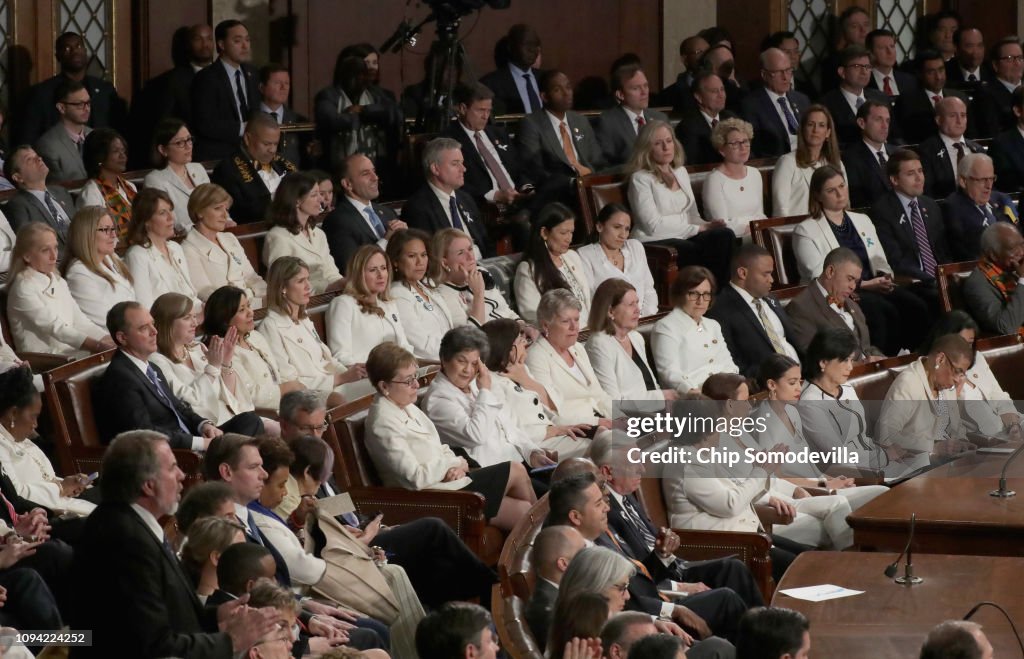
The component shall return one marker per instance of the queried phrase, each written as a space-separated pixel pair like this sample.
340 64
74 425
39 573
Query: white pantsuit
224 263
661 213
576 393
687 353
154 274
313 250
44 317
165 179
425 319
635 270
94 294
203 386
813 239
618 374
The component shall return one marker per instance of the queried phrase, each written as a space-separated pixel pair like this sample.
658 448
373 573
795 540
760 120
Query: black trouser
900 319
729 573
720 608
711 249
52 561
247 423
30 604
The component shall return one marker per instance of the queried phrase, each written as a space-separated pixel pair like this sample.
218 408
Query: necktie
788 113
634 516
243 105
639 122
881 158
714 122
253 531
492 163
274 115
570 153
990 219
639 565
924 247
769 329
887 86
935 100
959 146
378 226
972 78
164 398
52 207
859 102
531 94
456 218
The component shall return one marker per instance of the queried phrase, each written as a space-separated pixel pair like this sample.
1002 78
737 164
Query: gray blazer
24 208
986 305
61 155
540 147
616 134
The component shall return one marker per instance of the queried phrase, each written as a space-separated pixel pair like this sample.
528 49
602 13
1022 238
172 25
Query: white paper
995 449
336 505
820 593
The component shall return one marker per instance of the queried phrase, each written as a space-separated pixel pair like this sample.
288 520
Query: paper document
820 593
336 505
994 449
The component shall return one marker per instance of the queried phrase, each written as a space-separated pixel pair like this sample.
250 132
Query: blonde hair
355 279
27 240
204 196
721 132
641 160
608 295
206 536
282 271
82 245
439 245
166 309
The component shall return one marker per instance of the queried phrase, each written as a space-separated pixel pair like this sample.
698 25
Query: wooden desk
892 621
955 514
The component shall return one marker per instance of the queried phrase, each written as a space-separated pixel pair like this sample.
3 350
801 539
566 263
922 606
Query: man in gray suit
992 292
35 202
618 127
61 145
826 304
553 550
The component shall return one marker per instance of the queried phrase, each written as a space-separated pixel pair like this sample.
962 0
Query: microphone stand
908 578
1002 492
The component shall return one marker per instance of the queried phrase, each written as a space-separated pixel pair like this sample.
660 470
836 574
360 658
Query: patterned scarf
120 207
1003 281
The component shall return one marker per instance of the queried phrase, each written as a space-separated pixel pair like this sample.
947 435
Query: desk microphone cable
1006 615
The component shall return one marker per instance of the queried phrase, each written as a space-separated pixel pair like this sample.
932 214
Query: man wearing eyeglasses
1008 63
61 145
975 205
993 292
694 131
844 102
774 110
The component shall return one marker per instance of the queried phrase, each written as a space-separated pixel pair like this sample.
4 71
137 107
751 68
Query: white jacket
314 251
44 317
577 401
661 213
304 569
33 477
791 185
352 334
222 264
166 180
203 387
90 194
154 275
259 372
619 376
459 300
423 327
528 295
909 418
686 353
94 294
635 270
813 239
299 352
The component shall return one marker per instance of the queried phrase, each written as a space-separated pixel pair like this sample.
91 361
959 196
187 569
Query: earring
772 395
12 423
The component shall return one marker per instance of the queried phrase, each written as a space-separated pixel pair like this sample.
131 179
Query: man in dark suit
553 550
854 25
40 112
965 70
129 587
678 95
440 203
516 86
885 77
909 224
694 130
844 101
177 94
275 87
720 60
865 160
1008 148
753 322
224 94
252 172
916 110
941 154
974 206
556 144
774 110
1007 59
618 127
35 201
356 220
827 304
133 394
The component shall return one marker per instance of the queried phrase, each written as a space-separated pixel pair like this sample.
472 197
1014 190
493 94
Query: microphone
1002 492
908 578
1006 615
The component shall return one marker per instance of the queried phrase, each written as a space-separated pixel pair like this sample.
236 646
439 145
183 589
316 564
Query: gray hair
605 444
952 638
992 238
555 302
129 462
967 163
435 147
464 339
768 54
303 400
594 570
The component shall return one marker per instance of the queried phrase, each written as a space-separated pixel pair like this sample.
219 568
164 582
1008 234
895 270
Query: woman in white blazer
469 412
817 145
527 399
156 262
424 313
562 365
44 317
6 244
618 352
254 363
296 347
178 176
407 450
293 213
733 190
688 347
97 277
467 290
549 263
665 207
215 257
617 256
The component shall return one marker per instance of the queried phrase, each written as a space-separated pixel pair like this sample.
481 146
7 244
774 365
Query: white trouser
820 522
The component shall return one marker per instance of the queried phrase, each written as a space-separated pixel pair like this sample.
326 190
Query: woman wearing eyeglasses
178 176
733 191
688 348
425 315
96 275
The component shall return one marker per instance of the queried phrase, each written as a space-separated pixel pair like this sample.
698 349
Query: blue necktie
790 119
151 374
253 530
531 94
52 207
456 218
990 219
243 102
378 226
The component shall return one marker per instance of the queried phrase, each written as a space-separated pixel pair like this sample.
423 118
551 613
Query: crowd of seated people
492 376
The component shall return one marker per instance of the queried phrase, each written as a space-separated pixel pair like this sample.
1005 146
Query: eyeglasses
862 67
738 144
312 429
185 141
621 587
696 295
1012 58
525 337
110 231
987 179
79 104
409 382
958 373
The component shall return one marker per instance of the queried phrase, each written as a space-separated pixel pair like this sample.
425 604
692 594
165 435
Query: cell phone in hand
365 521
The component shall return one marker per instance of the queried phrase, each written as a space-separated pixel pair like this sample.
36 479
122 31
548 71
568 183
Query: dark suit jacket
347 230
998 108
478 180
694 133
897 234
810 313
167 95
678 95
865 177
965 222
904 82
1008 156
847 130
423 211
915 114
126 400
955 76
506 94
540 147
616 133
743 332
140 603
236 174
215 119
539 611
771 135
40 112
24 208
939 180
643 590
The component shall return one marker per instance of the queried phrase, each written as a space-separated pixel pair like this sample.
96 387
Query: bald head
553 550
573 466
951 117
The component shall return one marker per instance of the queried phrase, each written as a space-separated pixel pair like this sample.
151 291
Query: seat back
595 192
950 277
251 237
316 310
346 426
653 499
776 235
515 583
503 271
69 393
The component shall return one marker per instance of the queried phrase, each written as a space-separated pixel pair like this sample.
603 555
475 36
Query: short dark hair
96 148
545 79
17 388
270 69
58 45
445 632
311 453
898 157
128 463
775 39
66 87
852 52
745 256
961 29
238 565
954 322
226 449
849 12
865 109
221 31
699 77
688 279
952 639
567 495
617 626
828 344
715 35
769 633
624 72
656 646
869 41
117 317
275 453
926 55
470 93
201 500
11 166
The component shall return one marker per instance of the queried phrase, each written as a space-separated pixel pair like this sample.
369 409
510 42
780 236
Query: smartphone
366 521
93 476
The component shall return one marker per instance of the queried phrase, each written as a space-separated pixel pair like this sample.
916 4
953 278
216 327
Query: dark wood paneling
995 19
748 23
155 23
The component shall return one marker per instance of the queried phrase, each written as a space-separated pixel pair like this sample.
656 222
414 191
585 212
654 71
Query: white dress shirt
44 317
735 201
154 274
353 333
880 81
33 477
842 313
212 265
312 248
425 319
852 99
361 209
94 294
635 270
687 353
661 213
773 318
948 142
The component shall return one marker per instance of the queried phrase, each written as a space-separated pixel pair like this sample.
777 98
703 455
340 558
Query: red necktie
886 86
714 122
936 99
640 122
